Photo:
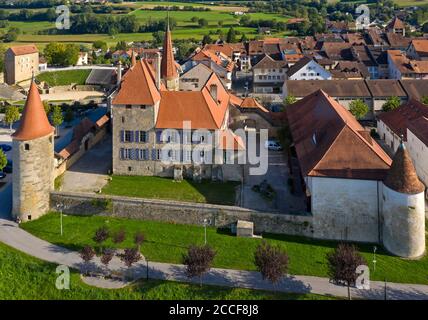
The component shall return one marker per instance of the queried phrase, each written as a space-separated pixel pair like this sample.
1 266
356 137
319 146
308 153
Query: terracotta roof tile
329 142
397 120
419 128
402 176
138 86
21 50
251 103
34 122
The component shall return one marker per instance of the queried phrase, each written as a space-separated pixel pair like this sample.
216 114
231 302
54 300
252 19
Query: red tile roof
402 176
397 120
138 86
330 142
419 128
21 50
251 103
34 122
198 107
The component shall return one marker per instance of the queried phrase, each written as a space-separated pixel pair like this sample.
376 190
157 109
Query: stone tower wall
32 177
403 223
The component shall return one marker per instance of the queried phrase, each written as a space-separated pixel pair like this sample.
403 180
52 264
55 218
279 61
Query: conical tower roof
168 68
34 122
402 175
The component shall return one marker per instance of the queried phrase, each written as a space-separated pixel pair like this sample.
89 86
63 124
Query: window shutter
158 136
122 135
131 136
137 136
137 154
121 153
153 154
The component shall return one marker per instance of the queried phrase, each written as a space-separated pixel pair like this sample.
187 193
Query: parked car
5 147
9 167
2 175
273 145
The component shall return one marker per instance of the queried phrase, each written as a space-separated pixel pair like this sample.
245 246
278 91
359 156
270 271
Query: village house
396 26
269 75
401 67
418 49
20 62
307 69
373 92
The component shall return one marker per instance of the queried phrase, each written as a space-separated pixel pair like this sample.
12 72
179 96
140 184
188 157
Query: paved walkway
90 173
25 242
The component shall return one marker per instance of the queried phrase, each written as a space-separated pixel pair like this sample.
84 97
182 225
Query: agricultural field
185 27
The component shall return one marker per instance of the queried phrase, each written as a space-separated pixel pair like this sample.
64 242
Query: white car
273 145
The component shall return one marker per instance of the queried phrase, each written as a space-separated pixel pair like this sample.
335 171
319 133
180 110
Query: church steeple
169 72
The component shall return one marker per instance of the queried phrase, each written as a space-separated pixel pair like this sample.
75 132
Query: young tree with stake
343 263
271 261
198 261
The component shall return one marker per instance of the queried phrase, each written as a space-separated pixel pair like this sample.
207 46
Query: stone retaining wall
180 212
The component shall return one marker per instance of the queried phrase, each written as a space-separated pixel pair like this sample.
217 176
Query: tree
11 116
198 261
207 39
220 23
271 261
11 35
57 118
203 22
290 99
194 19
121 45
101 235
106 257
61 54
391 104
100 45
3 160
119 236
47 107
231 35
343 263
358 108
139 239
424 100
2 52
243 38
87 254
130 256
69 115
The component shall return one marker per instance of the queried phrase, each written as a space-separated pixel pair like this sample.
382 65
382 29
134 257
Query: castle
357 192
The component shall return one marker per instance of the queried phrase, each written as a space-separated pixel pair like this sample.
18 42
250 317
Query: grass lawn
164 188
168 242
62 78
25 277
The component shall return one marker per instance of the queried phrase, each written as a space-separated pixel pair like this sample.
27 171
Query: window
123 119
26 147
128 136
142 136
143 107
128 106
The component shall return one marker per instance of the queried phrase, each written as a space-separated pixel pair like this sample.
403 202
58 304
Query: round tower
33 158
403 208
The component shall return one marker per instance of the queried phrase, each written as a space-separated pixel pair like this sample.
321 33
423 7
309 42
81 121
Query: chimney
213 91
119 72
158 70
